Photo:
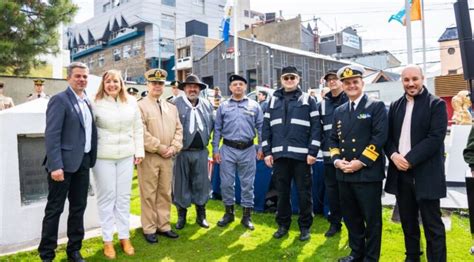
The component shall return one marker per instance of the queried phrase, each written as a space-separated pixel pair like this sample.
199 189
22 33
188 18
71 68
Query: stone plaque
33 177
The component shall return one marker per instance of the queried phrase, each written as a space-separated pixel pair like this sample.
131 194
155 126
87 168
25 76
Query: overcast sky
368 16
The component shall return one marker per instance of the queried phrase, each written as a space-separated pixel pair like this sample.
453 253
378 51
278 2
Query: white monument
455 165
23 184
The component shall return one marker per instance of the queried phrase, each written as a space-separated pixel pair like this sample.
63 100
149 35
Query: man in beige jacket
163 139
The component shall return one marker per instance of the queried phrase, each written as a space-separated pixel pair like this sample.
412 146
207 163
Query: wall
450 62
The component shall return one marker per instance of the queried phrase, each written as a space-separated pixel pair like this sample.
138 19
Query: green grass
234 243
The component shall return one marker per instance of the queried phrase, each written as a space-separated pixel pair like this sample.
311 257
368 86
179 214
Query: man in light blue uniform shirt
238 121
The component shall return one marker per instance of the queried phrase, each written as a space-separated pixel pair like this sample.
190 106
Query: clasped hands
167 152
349 167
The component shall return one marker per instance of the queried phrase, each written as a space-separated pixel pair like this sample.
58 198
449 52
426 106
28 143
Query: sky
369 17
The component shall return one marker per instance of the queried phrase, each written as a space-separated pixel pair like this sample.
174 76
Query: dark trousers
74 187
332 193
409 207
361 205
284 170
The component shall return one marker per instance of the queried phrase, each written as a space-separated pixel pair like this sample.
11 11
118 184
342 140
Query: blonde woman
120 146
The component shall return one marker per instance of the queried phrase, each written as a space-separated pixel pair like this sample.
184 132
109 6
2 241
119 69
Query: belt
238 144
193 149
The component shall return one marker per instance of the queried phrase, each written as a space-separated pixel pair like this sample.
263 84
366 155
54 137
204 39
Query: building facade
380 60
134 35
449 52
341 44
261 63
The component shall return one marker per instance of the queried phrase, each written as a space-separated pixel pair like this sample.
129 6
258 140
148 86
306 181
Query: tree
29 29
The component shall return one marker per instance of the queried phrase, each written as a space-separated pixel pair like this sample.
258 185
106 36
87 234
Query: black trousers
285 170
409 207
74 187
361 205
332 193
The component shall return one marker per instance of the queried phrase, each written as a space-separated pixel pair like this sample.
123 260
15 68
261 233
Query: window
167 22
327 39
91 63
184 52
246 13
105 7
451 51
198 2
168 2
136 48
201 4
127 51
101 60
452 72
117 54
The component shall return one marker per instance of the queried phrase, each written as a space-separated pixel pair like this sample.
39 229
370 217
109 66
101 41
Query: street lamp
160 44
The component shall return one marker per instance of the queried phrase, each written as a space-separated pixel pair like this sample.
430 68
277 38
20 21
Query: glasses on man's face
287 78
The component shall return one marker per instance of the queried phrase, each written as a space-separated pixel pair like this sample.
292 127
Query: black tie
353 107
159 105
39 95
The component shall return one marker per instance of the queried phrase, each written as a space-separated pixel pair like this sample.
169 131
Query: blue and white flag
225 23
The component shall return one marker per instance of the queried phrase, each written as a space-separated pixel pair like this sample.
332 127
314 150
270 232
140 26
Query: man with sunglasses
163 136
333 99
359 132
291 143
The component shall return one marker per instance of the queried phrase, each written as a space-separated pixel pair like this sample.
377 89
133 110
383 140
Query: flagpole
236 38
423 33
408 27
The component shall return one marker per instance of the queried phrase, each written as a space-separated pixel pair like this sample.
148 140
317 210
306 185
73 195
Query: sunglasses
291 77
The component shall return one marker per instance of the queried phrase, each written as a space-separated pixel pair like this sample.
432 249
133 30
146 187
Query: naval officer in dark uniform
359 132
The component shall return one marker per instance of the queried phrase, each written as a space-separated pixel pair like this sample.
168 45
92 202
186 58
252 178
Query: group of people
167 139
7 102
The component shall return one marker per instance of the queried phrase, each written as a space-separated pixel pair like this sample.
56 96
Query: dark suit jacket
65 136
428 128
360 136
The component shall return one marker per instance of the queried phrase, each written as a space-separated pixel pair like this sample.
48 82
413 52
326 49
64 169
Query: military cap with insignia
350 71
175 83
233 78
156 75
132 90
289 70
192 79
332 72
144 94
38 81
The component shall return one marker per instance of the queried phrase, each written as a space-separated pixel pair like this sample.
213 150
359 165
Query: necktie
353 107
39 95
159 105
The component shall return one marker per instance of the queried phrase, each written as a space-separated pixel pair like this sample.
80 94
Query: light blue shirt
87 117
238 121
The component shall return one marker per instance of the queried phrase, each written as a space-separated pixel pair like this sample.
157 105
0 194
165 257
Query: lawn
234 243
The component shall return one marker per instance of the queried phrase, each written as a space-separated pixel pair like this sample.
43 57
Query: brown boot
127 247
109 251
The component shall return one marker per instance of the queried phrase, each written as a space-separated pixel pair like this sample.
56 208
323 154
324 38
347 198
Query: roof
451 33
375 77
305 53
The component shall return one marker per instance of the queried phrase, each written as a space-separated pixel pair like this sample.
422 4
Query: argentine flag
225 23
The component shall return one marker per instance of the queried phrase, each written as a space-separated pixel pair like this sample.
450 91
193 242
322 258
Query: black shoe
304 234
201 216
181 218
228 216
333 229
412 259
168 234
46 260
151 238
75 256
246 218
281 232
347 259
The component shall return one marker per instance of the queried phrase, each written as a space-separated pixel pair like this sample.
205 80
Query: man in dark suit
71 150
415 147
358 134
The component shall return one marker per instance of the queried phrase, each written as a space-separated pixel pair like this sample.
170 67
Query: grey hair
415 66
73 65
